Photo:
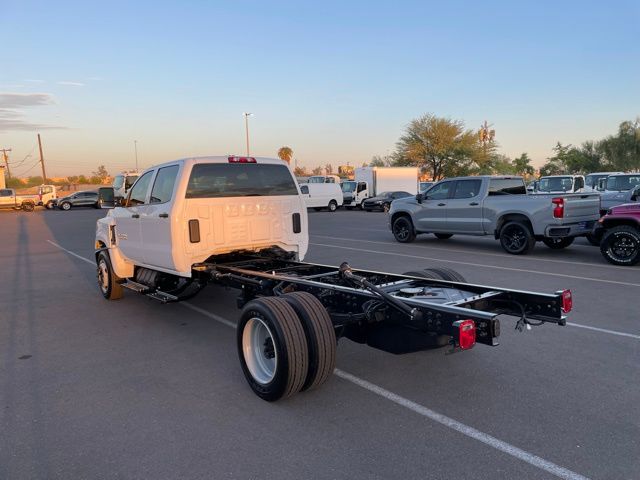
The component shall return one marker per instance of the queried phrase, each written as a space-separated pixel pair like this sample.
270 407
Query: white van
322 195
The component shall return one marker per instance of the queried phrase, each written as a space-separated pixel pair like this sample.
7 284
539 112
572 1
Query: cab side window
440 191
5 193
138 193
467 188
163 184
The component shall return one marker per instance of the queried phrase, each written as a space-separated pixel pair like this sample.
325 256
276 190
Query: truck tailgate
582 206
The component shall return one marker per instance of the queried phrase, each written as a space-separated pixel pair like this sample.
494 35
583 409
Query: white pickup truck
241 222
9 199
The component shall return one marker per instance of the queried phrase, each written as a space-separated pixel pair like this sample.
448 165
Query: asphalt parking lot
136 389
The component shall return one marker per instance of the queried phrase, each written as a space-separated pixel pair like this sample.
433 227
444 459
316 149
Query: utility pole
44 175
246 128
135 146
6 160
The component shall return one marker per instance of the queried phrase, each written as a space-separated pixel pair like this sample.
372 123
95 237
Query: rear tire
558 243
333 206
272 348
28 207
621 245
321 337
516 238
443 236
403 230
108 281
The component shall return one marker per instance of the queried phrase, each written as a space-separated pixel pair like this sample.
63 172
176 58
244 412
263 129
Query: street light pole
246 128
135 146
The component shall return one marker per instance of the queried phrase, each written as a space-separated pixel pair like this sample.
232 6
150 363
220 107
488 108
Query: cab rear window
215 180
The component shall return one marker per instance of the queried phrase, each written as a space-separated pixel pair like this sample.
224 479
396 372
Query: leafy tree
328 169
376 161
83 179
73 178
300 172
285 153
317 171
385 161
622 151
502 165
438 145
522 166
101 174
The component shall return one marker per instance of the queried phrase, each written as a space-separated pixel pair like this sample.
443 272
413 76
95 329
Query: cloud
32 80
12 117
95 79
71 84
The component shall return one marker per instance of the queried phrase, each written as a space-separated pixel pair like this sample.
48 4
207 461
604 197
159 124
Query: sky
336 81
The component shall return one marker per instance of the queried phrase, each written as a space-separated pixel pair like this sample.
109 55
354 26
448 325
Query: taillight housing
465 333
567 301
242 159
558 209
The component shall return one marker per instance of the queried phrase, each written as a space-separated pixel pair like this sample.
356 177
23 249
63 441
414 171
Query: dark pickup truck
619 234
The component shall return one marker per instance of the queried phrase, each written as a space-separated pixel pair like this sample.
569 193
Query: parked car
498 206
79 199
383 201
322 195
9 199
619 234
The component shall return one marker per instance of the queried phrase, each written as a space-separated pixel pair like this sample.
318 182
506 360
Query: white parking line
604 330
564 275
486 254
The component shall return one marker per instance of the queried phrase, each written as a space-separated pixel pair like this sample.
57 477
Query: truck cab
181 213
561 184
123 182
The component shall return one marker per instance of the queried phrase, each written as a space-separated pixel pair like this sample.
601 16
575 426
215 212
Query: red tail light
567 301
465 333
242 160
558 211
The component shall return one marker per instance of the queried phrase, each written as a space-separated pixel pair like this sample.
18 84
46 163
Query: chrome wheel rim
259 351
103 276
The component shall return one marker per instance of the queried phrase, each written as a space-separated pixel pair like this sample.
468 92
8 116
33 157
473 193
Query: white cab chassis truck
371 181
241 222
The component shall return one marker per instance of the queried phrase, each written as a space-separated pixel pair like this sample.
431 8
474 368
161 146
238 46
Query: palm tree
285 153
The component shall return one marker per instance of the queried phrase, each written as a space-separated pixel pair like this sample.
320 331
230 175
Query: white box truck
371 181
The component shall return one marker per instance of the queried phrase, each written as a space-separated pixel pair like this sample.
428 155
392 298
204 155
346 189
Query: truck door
464 209
432 216
128 231
304 190
156 222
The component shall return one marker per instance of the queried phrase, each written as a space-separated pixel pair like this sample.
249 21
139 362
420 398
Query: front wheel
558 243
272 348
49 205
108 281
592 239
516 238
403 230
386 207
621 245
333 206
65 206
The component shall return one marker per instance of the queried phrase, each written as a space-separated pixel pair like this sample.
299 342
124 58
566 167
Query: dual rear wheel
286 345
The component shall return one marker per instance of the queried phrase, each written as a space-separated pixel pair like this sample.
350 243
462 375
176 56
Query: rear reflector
465 333
242 160
558 210
567 301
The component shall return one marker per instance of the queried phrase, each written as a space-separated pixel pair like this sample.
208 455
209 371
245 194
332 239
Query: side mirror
419 197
